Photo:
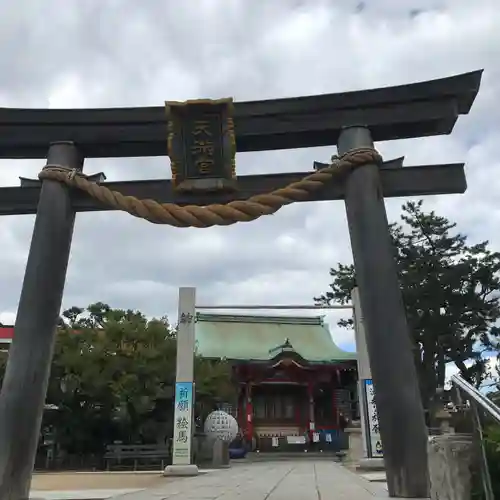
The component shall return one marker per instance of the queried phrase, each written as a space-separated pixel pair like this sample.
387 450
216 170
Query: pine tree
451 294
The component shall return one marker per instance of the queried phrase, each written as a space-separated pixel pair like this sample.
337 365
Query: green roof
260 338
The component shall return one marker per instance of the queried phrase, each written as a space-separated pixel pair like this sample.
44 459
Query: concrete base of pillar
371 464
355 451
220 454
450 459
181 470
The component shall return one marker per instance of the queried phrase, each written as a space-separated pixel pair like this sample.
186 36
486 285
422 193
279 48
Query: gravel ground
62 481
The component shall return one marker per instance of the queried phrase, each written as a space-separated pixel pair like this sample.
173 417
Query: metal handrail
486 404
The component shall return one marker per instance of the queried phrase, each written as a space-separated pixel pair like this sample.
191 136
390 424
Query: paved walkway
301 479
92 494
291 480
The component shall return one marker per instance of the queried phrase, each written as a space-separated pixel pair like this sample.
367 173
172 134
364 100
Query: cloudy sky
63 54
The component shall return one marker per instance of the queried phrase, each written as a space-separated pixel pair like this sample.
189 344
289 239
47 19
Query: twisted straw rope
216 214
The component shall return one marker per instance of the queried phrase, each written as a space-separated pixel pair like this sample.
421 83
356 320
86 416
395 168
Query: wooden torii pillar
350 120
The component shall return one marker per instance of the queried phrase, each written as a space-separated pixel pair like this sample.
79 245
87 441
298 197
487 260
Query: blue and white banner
183 423
373 431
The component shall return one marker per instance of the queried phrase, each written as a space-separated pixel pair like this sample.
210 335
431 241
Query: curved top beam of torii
404 111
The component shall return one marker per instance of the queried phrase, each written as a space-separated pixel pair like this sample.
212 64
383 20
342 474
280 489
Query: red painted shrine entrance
294 381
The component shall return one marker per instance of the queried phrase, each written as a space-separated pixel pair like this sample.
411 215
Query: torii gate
202 140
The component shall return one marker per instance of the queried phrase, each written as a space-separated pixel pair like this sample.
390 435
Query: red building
6 334
294 381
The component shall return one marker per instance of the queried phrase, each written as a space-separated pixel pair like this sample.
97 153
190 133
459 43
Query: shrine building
293 380
6 334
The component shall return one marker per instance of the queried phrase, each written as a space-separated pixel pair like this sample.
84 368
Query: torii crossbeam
351 120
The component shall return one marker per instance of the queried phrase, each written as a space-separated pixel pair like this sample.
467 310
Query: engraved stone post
184 387
372 444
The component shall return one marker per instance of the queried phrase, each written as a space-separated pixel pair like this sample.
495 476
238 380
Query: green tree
112 373
113 377
451 294
215 384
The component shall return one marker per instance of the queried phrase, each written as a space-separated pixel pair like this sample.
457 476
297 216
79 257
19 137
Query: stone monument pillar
184 388
372 443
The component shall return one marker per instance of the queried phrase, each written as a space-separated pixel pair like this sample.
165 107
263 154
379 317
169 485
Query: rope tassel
248 210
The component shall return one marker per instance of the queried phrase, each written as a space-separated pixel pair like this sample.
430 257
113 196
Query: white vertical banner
375 448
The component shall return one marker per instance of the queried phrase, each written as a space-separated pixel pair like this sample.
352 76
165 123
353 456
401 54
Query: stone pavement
291 480
92 494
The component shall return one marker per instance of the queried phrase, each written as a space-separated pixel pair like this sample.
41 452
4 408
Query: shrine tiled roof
258 338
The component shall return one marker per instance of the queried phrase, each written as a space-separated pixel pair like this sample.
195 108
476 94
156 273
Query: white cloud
104 54
7 318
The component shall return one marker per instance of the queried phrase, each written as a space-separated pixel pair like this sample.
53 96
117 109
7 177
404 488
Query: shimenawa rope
216 214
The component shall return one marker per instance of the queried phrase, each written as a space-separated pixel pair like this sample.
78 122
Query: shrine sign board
374 444
202 145
183 423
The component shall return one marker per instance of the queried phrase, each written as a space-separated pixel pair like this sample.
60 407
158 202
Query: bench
134 454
